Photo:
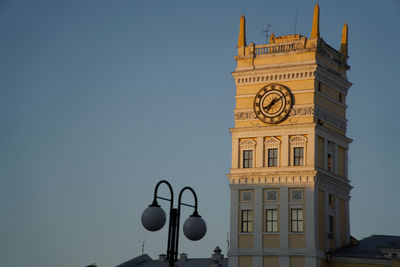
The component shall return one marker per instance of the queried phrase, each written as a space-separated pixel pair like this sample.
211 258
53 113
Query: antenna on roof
266 32
143 246
295 24
227 242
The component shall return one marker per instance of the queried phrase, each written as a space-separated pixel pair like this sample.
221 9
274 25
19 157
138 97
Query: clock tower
289 182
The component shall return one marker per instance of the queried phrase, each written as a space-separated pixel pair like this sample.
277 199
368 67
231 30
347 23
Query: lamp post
154 218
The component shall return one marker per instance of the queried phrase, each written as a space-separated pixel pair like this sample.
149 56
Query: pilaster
285 150
284 217
260 152
235 153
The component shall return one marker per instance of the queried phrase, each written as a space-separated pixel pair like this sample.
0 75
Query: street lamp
154 218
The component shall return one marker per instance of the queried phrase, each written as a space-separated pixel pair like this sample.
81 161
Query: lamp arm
170 189
180 198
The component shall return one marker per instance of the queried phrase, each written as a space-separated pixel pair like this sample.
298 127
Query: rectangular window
271 195
247 221
297 221
272 157
247 158
331 201
247 196
298 156
272 220
296 194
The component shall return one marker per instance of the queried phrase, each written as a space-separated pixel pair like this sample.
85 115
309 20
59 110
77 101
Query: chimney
217 257
183 256
162 257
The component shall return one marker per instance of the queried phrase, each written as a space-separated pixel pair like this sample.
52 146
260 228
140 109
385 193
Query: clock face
273 103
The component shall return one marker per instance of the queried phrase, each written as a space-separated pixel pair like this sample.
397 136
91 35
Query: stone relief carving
298 112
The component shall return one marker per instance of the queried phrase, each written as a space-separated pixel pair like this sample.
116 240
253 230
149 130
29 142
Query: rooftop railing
278 48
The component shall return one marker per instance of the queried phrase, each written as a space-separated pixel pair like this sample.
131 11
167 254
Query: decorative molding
272 143
332 79
247 144
272 179
331 147
298 141
300 111
271 76
334 185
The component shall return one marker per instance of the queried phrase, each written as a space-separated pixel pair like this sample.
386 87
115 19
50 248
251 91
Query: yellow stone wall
297 261
245 261
270 261
246 241
341 158
271 241
342 222
321 220
320 152
297 240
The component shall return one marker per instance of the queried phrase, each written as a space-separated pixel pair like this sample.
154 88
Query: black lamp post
153 219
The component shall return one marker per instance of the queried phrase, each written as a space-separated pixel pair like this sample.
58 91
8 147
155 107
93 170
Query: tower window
341 98
298 156
297 220
331 226
272 220
272 157
331 201
247 158
247 221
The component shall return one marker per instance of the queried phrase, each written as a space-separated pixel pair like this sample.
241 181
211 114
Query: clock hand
268 107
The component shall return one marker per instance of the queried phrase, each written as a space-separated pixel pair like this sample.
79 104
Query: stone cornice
332 79
333 136
274 73
333 184
249 179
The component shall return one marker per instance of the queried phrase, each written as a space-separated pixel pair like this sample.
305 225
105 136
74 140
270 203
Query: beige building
289 183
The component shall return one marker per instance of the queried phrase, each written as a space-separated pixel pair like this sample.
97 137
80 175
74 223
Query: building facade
289 178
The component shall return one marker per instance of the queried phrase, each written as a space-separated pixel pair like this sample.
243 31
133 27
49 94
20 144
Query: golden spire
315 23
345 40
242 32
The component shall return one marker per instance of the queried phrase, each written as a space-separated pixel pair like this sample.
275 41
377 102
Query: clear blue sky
101 99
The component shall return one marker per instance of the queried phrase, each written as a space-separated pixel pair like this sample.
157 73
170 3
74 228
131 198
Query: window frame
271 143
248 161
273 158
274 221
244 224
247 145
294 220
297 142
298 160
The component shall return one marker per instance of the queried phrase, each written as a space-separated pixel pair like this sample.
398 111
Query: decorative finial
345 40
271 38
242 32
315 24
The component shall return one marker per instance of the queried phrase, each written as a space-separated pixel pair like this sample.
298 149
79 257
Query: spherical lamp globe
194 228
153 218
